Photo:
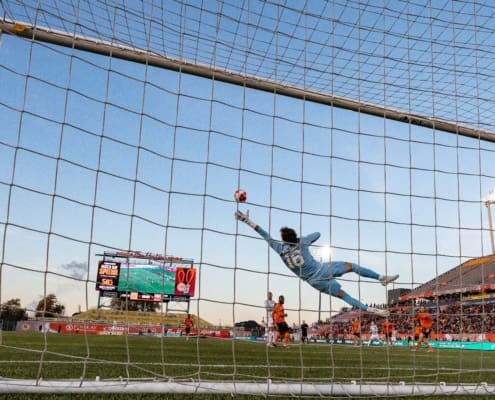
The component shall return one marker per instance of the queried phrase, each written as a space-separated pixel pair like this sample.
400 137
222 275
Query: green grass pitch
52 356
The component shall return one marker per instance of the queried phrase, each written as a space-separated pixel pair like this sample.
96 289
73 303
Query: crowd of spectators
452 319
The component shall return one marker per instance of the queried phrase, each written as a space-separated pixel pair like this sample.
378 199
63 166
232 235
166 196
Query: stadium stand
461 301
472 277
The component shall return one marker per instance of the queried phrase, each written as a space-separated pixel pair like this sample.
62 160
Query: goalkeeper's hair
289 235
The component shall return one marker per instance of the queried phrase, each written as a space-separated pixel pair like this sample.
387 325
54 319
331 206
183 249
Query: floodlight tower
489 200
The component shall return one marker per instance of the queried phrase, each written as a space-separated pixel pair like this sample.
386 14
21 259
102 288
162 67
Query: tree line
50 307
11 311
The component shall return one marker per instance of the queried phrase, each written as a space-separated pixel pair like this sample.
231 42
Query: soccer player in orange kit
388 330
356 332
279 320
426 322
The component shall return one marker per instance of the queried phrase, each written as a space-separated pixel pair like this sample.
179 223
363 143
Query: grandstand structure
473 280
129 124
461 301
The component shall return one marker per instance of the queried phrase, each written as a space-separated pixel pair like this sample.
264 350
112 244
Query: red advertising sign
185 282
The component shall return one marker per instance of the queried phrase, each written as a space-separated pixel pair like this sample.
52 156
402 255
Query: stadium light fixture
324 253
489 200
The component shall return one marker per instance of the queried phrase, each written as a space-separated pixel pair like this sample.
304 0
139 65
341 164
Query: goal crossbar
138 55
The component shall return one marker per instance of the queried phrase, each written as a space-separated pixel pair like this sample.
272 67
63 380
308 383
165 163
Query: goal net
126 127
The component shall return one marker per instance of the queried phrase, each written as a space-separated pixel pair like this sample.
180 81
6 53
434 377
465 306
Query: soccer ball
240 196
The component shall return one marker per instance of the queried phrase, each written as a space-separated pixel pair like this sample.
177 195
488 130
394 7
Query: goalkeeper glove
240 216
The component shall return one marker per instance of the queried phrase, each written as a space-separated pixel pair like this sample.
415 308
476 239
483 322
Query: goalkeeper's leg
336 290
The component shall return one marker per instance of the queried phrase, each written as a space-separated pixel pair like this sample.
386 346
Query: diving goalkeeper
296 255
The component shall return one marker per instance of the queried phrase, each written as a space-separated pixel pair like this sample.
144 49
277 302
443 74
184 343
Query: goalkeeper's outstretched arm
244 217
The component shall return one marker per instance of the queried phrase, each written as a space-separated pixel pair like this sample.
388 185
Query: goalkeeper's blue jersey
299 258
320 275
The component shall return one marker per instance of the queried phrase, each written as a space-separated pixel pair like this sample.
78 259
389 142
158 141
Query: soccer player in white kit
374 333
269 304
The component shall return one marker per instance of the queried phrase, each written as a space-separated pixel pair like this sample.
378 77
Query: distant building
248 325
251 327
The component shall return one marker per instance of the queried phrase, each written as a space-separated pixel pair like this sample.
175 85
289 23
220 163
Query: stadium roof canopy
474 276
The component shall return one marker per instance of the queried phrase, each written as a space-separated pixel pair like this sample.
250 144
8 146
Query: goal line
242 388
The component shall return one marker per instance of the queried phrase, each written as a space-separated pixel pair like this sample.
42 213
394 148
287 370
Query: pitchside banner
115 329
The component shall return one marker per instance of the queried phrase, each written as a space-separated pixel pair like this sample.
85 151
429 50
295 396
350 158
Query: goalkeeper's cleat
378 311
386 279
271 345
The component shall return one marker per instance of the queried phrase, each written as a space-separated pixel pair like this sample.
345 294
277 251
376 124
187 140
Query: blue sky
98 154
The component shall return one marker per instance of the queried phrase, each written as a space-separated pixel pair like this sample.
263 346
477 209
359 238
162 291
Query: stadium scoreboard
145 277
108 276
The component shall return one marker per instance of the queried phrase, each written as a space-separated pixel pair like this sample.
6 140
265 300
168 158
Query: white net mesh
128 126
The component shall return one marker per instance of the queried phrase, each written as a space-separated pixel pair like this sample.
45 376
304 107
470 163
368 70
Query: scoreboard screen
108 276
146 281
